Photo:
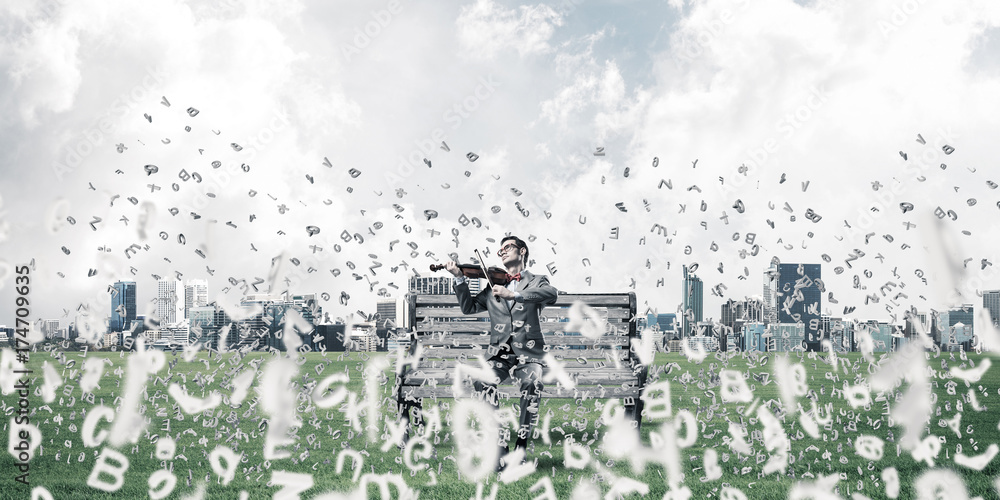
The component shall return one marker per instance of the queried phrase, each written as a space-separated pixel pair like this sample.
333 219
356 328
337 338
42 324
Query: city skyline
442 284
743 322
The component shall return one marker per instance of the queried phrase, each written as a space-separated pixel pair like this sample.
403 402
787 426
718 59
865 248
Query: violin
497 276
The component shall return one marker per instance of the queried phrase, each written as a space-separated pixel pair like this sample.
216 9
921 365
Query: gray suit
527 339
517 345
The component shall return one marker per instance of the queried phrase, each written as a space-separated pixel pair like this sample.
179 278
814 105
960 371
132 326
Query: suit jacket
526 336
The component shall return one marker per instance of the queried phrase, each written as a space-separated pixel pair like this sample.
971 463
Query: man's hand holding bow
503 292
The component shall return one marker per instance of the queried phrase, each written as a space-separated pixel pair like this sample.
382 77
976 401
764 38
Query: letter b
103 468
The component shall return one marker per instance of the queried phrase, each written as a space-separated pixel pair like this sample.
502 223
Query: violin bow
482 265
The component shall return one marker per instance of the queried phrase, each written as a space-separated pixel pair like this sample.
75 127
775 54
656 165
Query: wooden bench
449 337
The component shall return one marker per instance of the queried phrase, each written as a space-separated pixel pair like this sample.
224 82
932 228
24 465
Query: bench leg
410 413
634 411
638 415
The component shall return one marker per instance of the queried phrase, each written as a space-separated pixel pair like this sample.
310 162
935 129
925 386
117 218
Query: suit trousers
529 376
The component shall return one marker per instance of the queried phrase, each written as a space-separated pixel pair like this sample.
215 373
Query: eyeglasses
506 248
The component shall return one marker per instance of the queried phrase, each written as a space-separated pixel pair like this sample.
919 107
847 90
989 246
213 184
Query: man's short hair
520 244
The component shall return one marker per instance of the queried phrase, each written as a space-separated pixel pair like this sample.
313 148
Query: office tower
206 324
391 317
881 333
392 313
914 320
265 330
693 295
50 328
169 302
991 302
770 298
953 329
736 313
786 337
840 333
195 295
792 295
753 337
664 322
750 310
123 306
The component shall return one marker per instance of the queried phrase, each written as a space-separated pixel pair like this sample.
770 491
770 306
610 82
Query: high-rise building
169 301
111 339
953 328
693 294
917 320
840 333
363 338
753 337
195 295
881 333
991 302
792 295
207 322
664 322
123 308
390 316
265 330
393 310
750 310
50 328
786 337
331 337
707 343
771 289
736 313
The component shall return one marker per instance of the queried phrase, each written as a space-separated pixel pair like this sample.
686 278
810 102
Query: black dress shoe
501 464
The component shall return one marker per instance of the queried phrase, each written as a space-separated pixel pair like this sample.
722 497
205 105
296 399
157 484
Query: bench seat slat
549 313
562 300
606 378
515 392
552 340
569 364
618 326
471 353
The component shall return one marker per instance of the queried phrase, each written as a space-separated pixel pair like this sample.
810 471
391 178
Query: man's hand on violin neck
503 292
452 268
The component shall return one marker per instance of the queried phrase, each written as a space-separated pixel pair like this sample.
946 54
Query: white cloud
832 100
819 85
485 29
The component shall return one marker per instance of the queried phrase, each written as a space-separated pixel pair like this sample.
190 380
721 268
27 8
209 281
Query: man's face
509 252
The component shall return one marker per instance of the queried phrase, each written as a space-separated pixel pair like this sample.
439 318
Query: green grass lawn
64 464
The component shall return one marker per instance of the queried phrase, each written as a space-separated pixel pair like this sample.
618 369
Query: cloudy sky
718 120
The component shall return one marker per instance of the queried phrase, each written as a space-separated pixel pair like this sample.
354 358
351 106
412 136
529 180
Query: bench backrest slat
438 322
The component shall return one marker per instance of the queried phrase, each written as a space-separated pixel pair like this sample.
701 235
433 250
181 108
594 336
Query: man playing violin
516 341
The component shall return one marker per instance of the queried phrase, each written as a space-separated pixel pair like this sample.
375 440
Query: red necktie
514 277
